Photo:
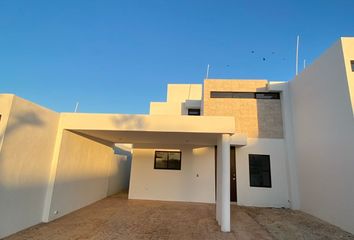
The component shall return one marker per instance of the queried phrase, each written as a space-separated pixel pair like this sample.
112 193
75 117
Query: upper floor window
352 64
257 95
268 95
194 111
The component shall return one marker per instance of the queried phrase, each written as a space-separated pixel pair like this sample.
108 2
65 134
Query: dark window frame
352 65
190 111
267 95
167 168
245 95
252 157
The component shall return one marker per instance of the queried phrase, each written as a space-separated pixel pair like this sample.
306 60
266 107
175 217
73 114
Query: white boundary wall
324 137
86 172
28 135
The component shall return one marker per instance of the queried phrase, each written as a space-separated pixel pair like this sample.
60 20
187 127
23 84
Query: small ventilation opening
194 111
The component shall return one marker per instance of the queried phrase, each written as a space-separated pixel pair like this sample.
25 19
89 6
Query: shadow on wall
27 118
183 108
13 175
15 123
129 122
119 178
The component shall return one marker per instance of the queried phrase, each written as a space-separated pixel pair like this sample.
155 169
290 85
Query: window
270 95
257 95
170 160
221 94
260 171
194 111
243 95
231 94
352 64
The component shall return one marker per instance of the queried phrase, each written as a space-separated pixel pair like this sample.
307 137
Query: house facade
251 142
257 116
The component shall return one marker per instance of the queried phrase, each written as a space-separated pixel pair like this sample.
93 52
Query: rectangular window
270 95
194 111
243 95
352 64
259 166
170 160
214 94
257 95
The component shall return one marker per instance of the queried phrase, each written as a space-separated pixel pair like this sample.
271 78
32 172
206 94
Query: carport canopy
165 130
143 130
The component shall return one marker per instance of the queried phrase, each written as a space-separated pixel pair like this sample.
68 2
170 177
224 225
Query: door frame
232 152
233 175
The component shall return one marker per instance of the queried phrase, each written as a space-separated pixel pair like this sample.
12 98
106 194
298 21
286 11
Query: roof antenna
297 55
77 106
207 72
189 92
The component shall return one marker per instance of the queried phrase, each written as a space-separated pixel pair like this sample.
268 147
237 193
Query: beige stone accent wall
257 118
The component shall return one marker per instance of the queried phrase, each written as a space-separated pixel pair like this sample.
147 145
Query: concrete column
223 182
218 181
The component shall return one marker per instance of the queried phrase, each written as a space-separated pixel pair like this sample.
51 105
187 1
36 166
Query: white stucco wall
25 158
277 195
348 54
291 164
119 174
5 109
183 92
180 97
324 136
174 185
166 108
84 170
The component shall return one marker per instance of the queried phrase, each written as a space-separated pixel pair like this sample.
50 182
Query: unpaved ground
288 224
118 218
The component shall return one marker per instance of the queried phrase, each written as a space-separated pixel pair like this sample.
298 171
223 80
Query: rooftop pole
77 106
297 55
207 72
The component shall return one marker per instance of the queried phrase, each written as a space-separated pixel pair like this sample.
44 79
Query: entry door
233 186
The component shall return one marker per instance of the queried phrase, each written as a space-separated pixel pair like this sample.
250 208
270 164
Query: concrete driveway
117 217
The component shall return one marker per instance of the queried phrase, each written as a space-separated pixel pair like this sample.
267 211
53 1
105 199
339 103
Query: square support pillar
223 182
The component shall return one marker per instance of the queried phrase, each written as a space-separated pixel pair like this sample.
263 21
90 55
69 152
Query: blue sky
117 56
